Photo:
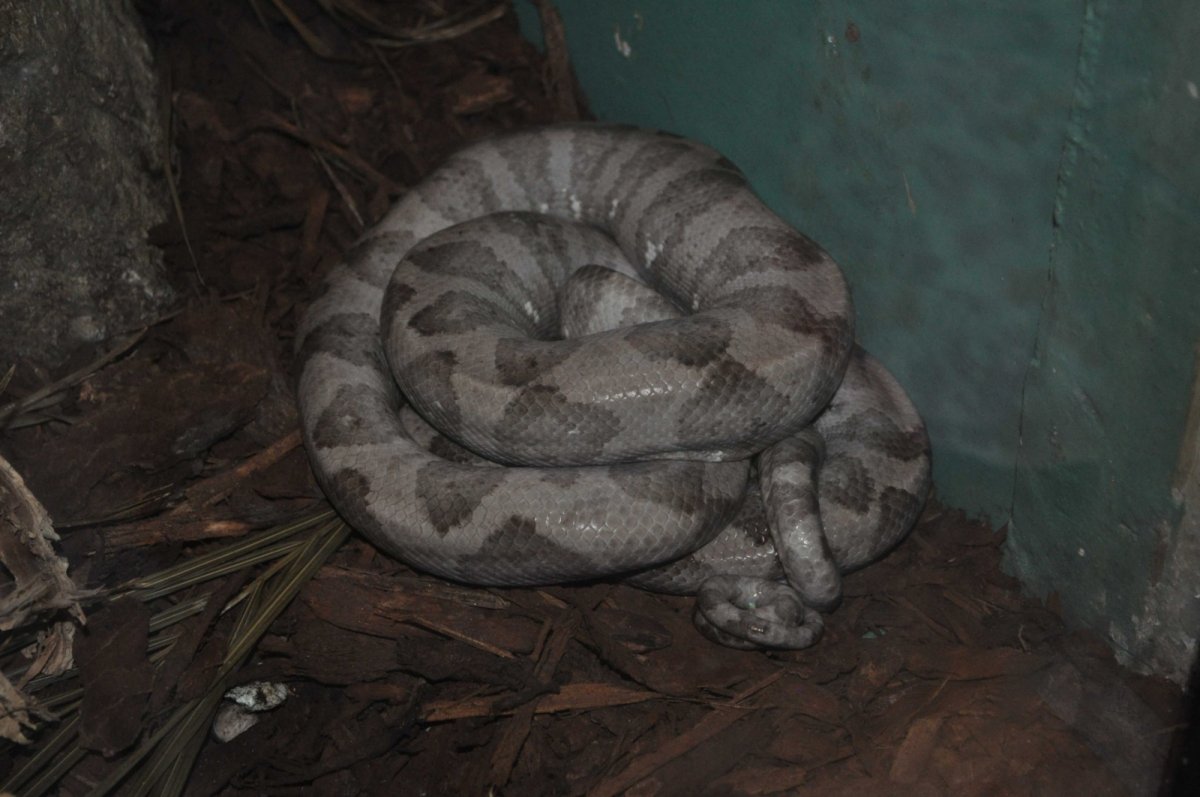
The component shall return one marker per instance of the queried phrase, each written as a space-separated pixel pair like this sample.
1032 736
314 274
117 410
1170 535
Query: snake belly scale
716 430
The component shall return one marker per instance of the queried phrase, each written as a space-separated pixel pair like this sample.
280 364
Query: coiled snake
566 354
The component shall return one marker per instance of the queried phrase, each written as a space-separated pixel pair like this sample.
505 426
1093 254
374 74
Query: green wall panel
1011 189
1099 499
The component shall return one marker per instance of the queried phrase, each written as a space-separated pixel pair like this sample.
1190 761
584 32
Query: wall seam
1090 43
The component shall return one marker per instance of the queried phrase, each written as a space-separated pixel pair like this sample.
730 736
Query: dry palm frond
160 765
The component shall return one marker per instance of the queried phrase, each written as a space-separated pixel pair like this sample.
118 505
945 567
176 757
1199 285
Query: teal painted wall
1106 467
1011 189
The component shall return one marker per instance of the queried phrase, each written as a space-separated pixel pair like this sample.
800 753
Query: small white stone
232 721
259 695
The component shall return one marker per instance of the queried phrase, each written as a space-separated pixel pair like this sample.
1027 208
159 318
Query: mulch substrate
296 124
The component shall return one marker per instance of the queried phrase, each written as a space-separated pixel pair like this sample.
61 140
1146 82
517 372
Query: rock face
80 177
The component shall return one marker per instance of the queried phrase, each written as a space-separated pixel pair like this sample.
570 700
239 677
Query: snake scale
588 351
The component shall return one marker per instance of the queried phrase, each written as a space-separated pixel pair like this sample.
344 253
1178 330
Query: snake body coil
613 315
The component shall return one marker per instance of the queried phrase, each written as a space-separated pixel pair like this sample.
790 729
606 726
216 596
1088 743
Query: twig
712 724
275 123
186 522
312 40
445 630
215 488
572 697
351 205
440 31
172 187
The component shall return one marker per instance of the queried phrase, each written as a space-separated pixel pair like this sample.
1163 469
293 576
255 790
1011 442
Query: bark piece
116 676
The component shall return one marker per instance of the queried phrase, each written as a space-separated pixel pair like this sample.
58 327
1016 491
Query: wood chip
339 595
969 664
705 729
572 697
913 756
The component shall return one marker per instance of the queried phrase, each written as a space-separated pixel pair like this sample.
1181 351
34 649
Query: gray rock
80 177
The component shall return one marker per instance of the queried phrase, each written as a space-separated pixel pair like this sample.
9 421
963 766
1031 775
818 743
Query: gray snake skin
588 351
